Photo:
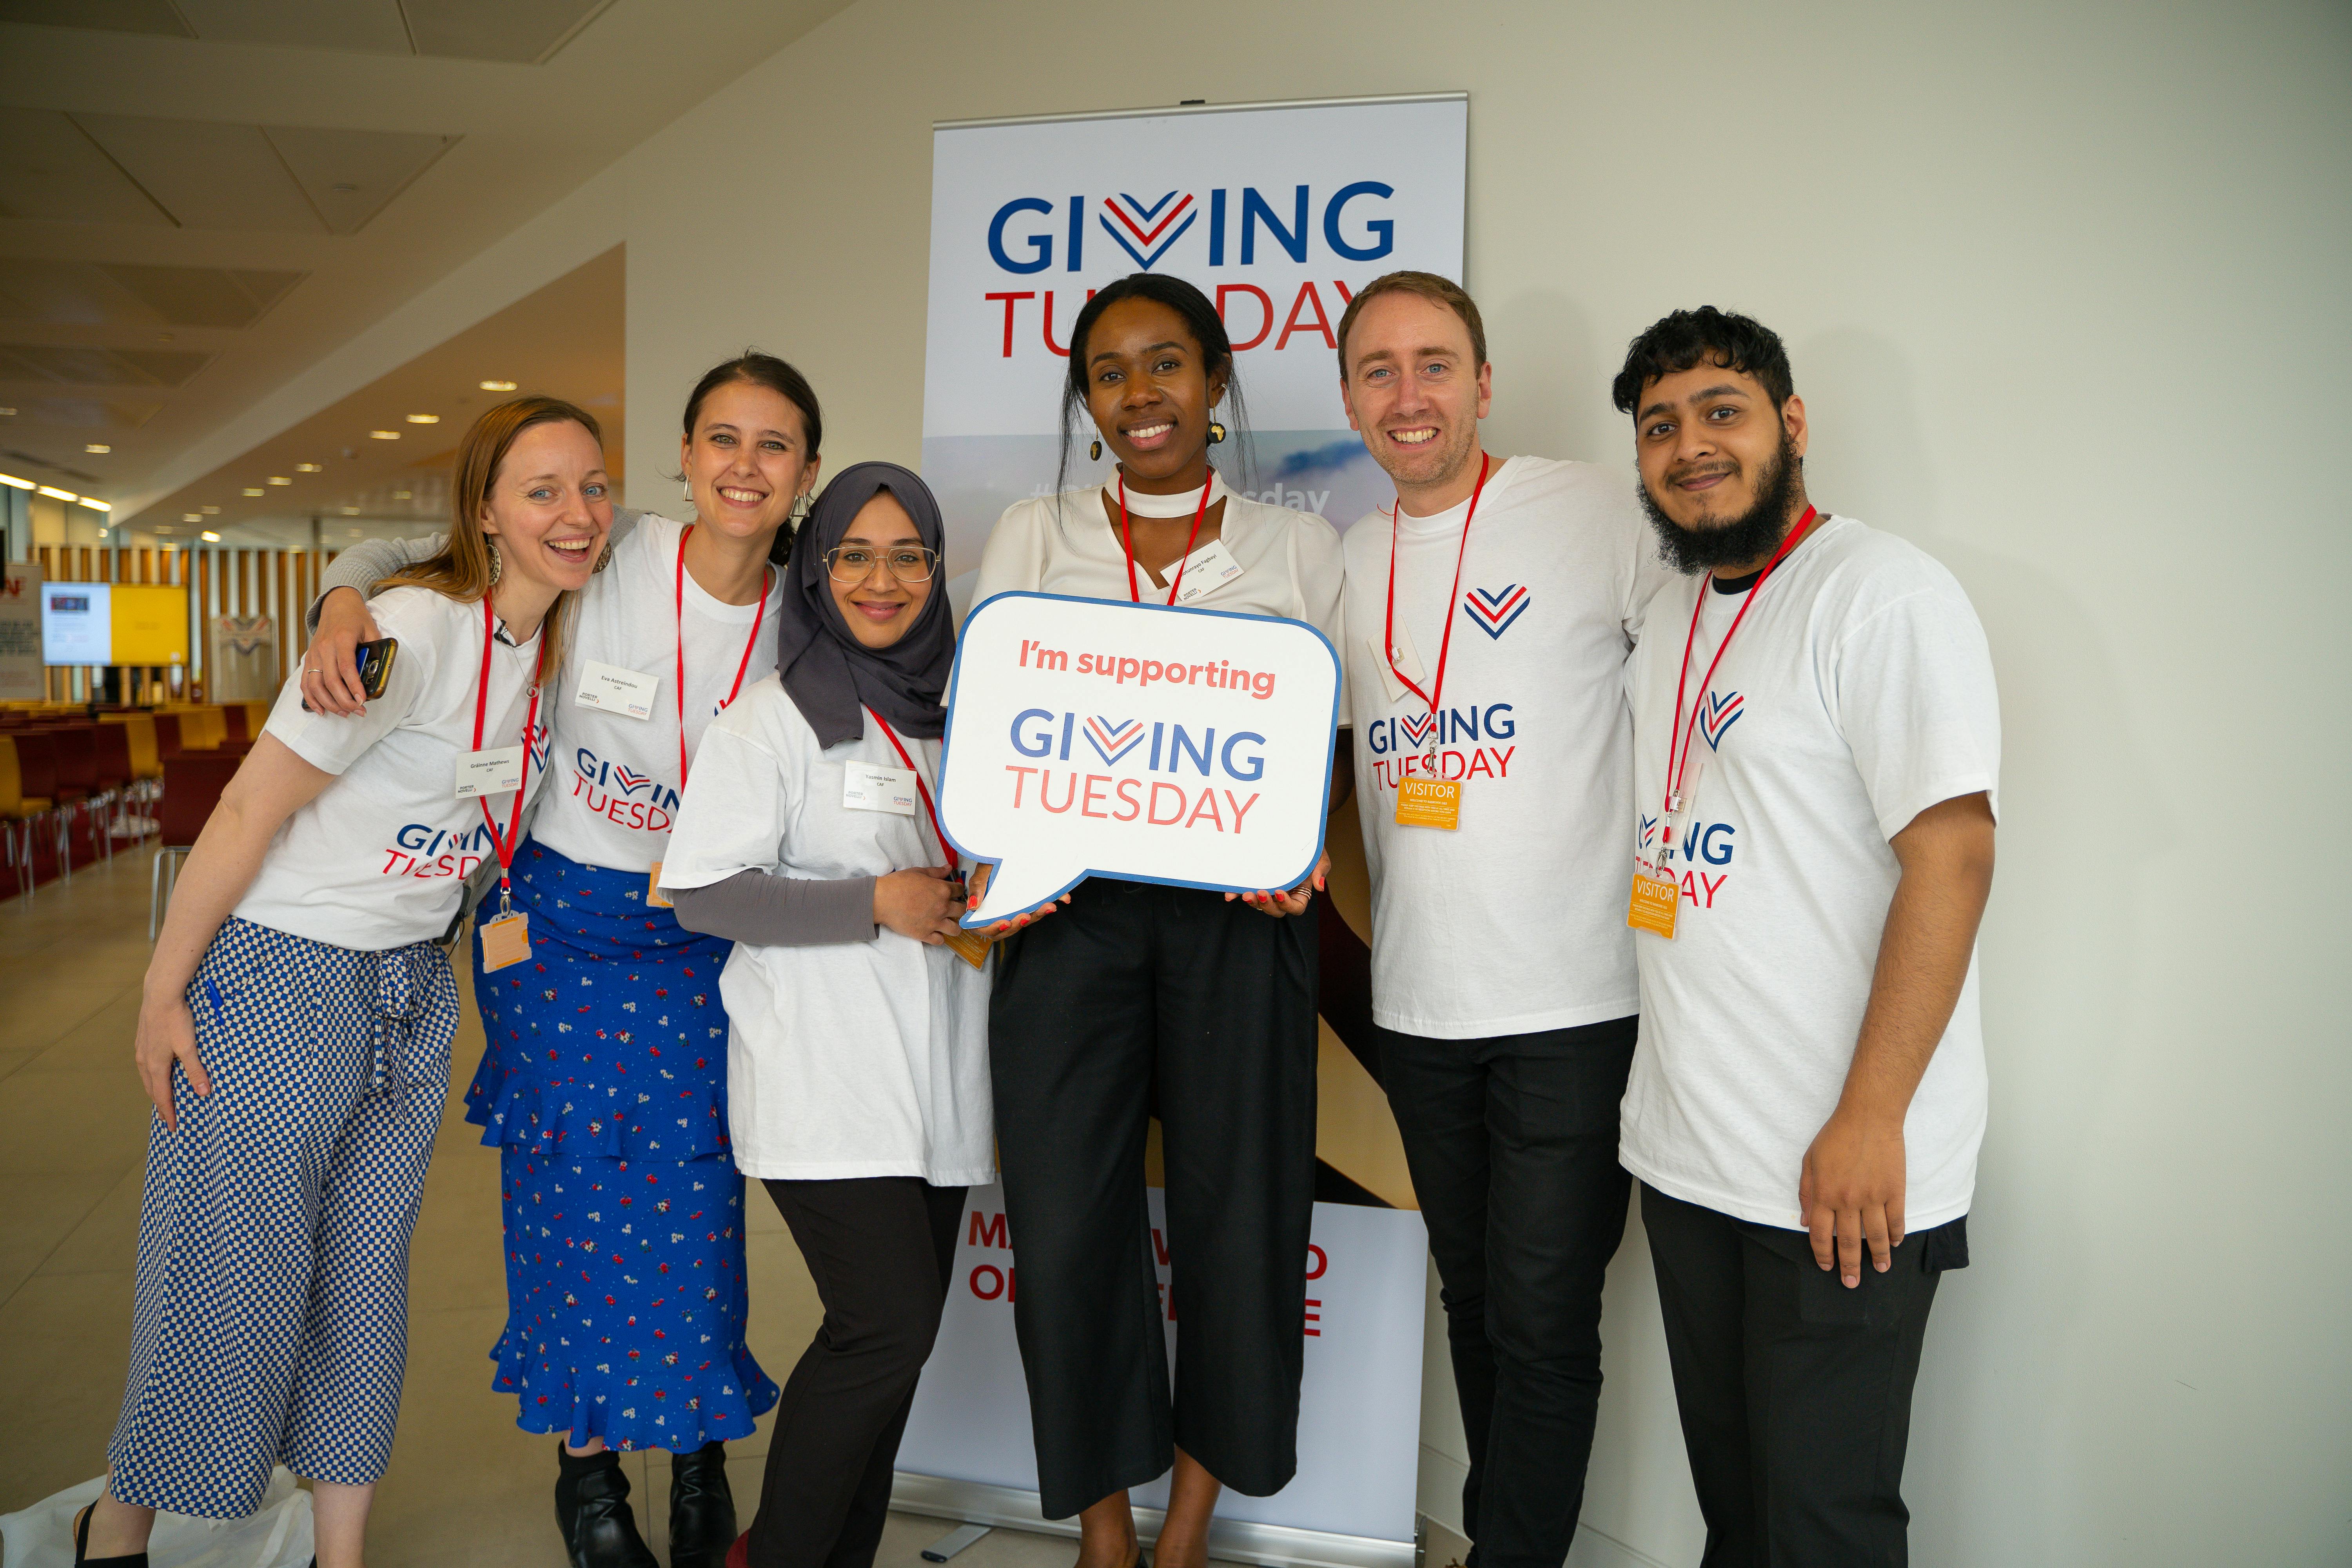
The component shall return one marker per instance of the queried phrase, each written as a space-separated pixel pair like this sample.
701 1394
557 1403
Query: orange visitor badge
1655 904
1429 802
654 899
505 940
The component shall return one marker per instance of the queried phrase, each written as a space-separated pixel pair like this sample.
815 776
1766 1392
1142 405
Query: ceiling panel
207 175
88 413
49 169
107 16
524 31
99 367
373 26
348 176
203 296
121 294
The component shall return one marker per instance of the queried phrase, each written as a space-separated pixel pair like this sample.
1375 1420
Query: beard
1751 536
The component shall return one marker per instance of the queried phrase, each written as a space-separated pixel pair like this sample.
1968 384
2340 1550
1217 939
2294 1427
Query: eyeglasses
907 563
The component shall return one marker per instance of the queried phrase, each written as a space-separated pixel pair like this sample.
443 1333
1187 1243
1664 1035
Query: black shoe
701 1508
600 1531
81 1546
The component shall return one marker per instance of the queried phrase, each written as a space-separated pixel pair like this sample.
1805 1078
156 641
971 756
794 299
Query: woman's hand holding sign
1293 902
979 884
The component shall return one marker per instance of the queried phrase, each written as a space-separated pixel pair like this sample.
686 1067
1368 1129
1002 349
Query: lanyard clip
506 899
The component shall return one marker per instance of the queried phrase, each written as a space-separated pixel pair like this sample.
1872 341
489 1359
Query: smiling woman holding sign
858 1066
1140 998
295 1028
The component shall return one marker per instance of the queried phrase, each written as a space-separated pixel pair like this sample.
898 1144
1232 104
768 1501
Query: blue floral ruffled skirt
604 1087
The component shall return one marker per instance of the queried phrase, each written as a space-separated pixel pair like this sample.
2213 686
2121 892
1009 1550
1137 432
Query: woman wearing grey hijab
857 1055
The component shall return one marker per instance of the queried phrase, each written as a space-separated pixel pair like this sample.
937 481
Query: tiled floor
465 1486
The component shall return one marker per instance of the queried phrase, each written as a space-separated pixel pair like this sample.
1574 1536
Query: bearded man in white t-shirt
1817 756
1489 615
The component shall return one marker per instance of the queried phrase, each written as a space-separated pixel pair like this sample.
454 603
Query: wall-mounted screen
113 623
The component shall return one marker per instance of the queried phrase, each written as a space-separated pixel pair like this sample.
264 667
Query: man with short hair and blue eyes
1816 766
1487 619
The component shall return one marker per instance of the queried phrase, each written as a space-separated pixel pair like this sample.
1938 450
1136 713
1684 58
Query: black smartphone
374 660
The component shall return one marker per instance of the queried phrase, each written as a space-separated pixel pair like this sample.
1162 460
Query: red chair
111 750
192 787
167 736
77 784
37 766
233 716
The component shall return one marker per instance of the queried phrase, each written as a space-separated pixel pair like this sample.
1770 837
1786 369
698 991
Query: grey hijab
828 673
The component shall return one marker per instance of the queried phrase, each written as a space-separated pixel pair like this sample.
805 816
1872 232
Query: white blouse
1065 544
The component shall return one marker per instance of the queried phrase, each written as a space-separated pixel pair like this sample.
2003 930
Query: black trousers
1795 1391
1132 1000
1512 1143
880 1249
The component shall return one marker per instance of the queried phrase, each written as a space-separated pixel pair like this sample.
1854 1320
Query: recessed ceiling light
355 533
255 490
55 494
350 512
14 481
279 479
309 468
97 447
497 387
191 517
7 414
163 528
424 419
210 537
400 495
383 435
209 510
94 505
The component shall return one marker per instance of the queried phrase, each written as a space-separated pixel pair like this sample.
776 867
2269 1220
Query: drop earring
1216 432
603 557
497 566
1094 452
686 488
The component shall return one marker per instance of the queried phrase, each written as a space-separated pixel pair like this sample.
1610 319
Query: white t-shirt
617 787
1067 544
1858 693
1515 922
854 1059
379 858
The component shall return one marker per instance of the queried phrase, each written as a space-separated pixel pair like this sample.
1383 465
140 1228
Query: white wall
2064 289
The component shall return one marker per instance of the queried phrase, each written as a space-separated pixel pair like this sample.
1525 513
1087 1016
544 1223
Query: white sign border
947 742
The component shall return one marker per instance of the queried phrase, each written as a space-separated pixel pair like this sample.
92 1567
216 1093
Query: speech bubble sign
1092 738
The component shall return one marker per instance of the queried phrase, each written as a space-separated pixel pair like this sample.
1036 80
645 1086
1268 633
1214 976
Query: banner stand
1230 1540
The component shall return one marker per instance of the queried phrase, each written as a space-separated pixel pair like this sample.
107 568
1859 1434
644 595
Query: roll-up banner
1279 213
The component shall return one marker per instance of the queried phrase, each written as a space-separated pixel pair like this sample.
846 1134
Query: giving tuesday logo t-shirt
1515 922
1858 693
379 859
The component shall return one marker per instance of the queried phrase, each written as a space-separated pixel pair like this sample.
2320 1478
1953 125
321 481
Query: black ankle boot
592 1508
701 1509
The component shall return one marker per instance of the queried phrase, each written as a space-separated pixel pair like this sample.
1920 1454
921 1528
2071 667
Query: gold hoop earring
1094 452
1216 432
498 565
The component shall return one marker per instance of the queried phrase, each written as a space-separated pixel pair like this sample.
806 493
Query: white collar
1187 504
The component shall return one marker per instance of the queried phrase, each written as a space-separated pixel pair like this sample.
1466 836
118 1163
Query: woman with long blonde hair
295 1027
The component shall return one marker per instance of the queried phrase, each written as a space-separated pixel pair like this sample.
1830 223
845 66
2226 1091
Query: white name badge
498 771
1210 566
869 786
1407 660
610 687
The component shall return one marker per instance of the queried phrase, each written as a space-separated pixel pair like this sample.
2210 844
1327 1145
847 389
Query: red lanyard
767 582
1678 740
1453 602
955 862
506 847
1126 537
